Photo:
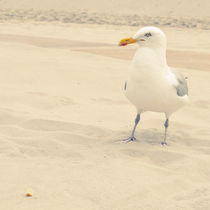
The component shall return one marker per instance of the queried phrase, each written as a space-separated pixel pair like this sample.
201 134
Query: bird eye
148 34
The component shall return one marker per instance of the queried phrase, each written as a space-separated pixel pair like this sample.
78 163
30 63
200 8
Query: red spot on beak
123 44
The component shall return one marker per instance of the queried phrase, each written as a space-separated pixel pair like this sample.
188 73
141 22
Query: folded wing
181 87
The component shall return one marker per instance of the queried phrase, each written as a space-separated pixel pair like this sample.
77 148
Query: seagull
152 85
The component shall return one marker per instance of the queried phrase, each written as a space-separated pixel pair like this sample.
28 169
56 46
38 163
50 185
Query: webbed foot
163 143
130 139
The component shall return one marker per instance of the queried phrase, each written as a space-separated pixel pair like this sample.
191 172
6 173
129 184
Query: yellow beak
127 41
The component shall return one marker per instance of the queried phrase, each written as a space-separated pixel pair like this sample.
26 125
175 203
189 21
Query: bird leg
132 137
166 128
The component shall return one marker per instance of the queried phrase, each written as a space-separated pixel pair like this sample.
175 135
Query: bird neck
148 56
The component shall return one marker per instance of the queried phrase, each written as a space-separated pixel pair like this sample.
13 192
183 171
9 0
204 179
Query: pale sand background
62 112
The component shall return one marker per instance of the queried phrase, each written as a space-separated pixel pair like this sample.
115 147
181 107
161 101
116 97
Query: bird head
147 36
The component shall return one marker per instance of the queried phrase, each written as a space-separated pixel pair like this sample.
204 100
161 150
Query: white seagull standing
152 85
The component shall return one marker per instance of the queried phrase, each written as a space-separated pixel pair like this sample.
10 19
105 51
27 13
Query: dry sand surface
184 8
173 13
63 112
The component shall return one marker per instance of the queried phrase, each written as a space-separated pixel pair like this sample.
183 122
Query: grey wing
181 87
125 86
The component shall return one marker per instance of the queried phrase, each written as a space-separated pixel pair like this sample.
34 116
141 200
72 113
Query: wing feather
181 87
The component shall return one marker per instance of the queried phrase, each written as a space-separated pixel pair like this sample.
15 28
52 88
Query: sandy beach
63 113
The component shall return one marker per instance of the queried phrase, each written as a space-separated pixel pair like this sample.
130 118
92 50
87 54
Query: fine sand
63 113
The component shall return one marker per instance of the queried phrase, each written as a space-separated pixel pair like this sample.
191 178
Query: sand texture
104 18
63 113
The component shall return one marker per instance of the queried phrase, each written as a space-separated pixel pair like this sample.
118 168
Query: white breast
149 86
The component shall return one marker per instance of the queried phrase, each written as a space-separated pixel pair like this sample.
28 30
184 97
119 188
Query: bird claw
130 139
163 143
